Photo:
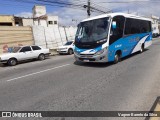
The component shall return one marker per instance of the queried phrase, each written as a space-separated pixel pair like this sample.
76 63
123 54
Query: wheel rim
116 58
70 52
41 57
13 62
142 49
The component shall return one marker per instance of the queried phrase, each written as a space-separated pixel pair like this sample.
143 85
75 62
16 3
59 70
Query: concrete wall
27 22
52 37
43 23
47 37
14 36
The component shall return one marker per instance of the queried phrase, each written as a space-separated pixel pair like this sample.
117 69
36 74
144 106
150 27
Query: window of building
55 22
17 23
50 22
6 24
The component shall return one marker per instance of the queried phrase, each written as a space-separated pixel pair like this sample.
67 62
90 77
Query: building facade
42 19
155 26
7 20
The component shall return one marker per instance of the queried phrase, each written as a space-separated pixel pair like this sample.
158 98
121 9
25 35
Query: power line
62 3
135 1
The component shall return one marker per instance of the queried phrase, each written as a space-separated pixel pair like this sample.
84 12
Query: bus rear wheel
142 48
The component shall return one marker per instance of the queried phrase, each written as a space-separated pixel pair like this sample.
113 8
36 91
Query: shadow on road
100 65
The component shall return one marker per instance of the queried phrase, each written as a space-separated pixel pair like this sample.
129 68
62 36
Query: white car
23 53
67 48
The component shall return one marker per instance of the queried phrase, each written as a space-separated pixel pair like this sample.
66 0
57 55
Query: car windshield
16 49
92 31
69 43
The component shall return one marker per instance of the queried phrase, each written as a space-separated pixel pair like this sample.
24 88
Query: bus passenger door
116 41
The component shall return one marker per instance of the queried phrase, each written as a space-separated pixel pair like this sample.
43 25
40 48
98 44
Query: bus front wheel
117 57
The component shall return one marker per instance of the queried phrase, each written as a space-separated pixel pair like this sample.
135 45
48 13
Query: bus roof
117 14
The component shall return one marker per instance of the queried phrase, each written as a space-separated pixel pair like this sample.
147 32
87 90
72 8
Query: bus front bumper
92 58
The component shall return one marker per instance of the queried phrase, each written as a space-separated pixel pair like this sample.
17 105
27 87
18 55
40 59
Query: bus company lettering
118 46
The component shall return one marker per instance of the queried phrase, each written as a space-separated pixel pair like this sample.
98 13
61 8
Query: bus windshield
93 31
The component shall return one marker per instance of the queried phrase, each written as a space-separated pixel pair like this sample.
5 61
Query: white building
38 11
41 18
155 29
52 21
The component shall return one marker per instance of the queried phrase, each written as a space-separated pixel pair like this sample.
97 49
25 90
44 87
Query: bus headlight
99 52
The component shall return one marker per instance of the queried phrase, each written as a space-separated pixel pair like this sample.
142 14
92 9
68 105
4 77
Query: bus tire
142 48
12 62
117 57
41 57
70 51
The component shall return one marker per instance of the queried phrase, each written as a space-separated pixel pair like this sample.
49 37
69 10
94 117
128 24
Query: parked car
23 53
66 48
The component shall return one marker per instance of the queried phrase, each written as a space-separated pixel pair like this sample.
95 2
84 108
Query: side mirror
114 25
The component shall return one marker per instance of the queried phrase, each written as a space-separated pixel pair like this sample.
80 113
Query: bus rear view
110 37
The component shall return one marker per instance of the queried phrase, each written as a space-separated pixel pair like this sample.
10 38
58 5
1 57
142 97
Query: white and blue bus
110 37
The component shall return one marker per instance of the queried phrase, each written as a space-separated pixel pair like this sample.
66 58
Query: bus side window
136 26
117 33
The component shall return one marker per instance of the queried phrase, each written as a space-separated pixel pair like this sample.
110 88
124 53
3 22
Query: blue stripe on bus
126 45
91 50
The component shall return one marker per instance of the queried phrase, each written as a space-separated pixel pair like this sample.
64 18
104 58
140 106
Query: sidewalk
53 52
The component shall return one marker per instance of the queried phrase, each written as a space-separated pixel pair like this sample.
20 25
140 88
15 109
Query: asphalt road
61 84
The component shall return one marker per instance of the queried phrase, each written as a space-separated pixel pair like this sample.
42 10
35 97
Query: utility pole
89 8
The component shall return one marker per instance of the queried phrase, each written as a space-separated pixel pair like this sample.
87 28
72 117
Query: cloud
72 16
140 7
25 14
68 16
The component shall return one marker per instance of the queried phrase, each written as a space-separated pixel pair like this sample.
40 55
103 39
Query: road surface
61 84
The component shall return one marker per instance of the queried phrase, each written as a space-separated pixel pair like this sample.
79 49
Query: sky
72 16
